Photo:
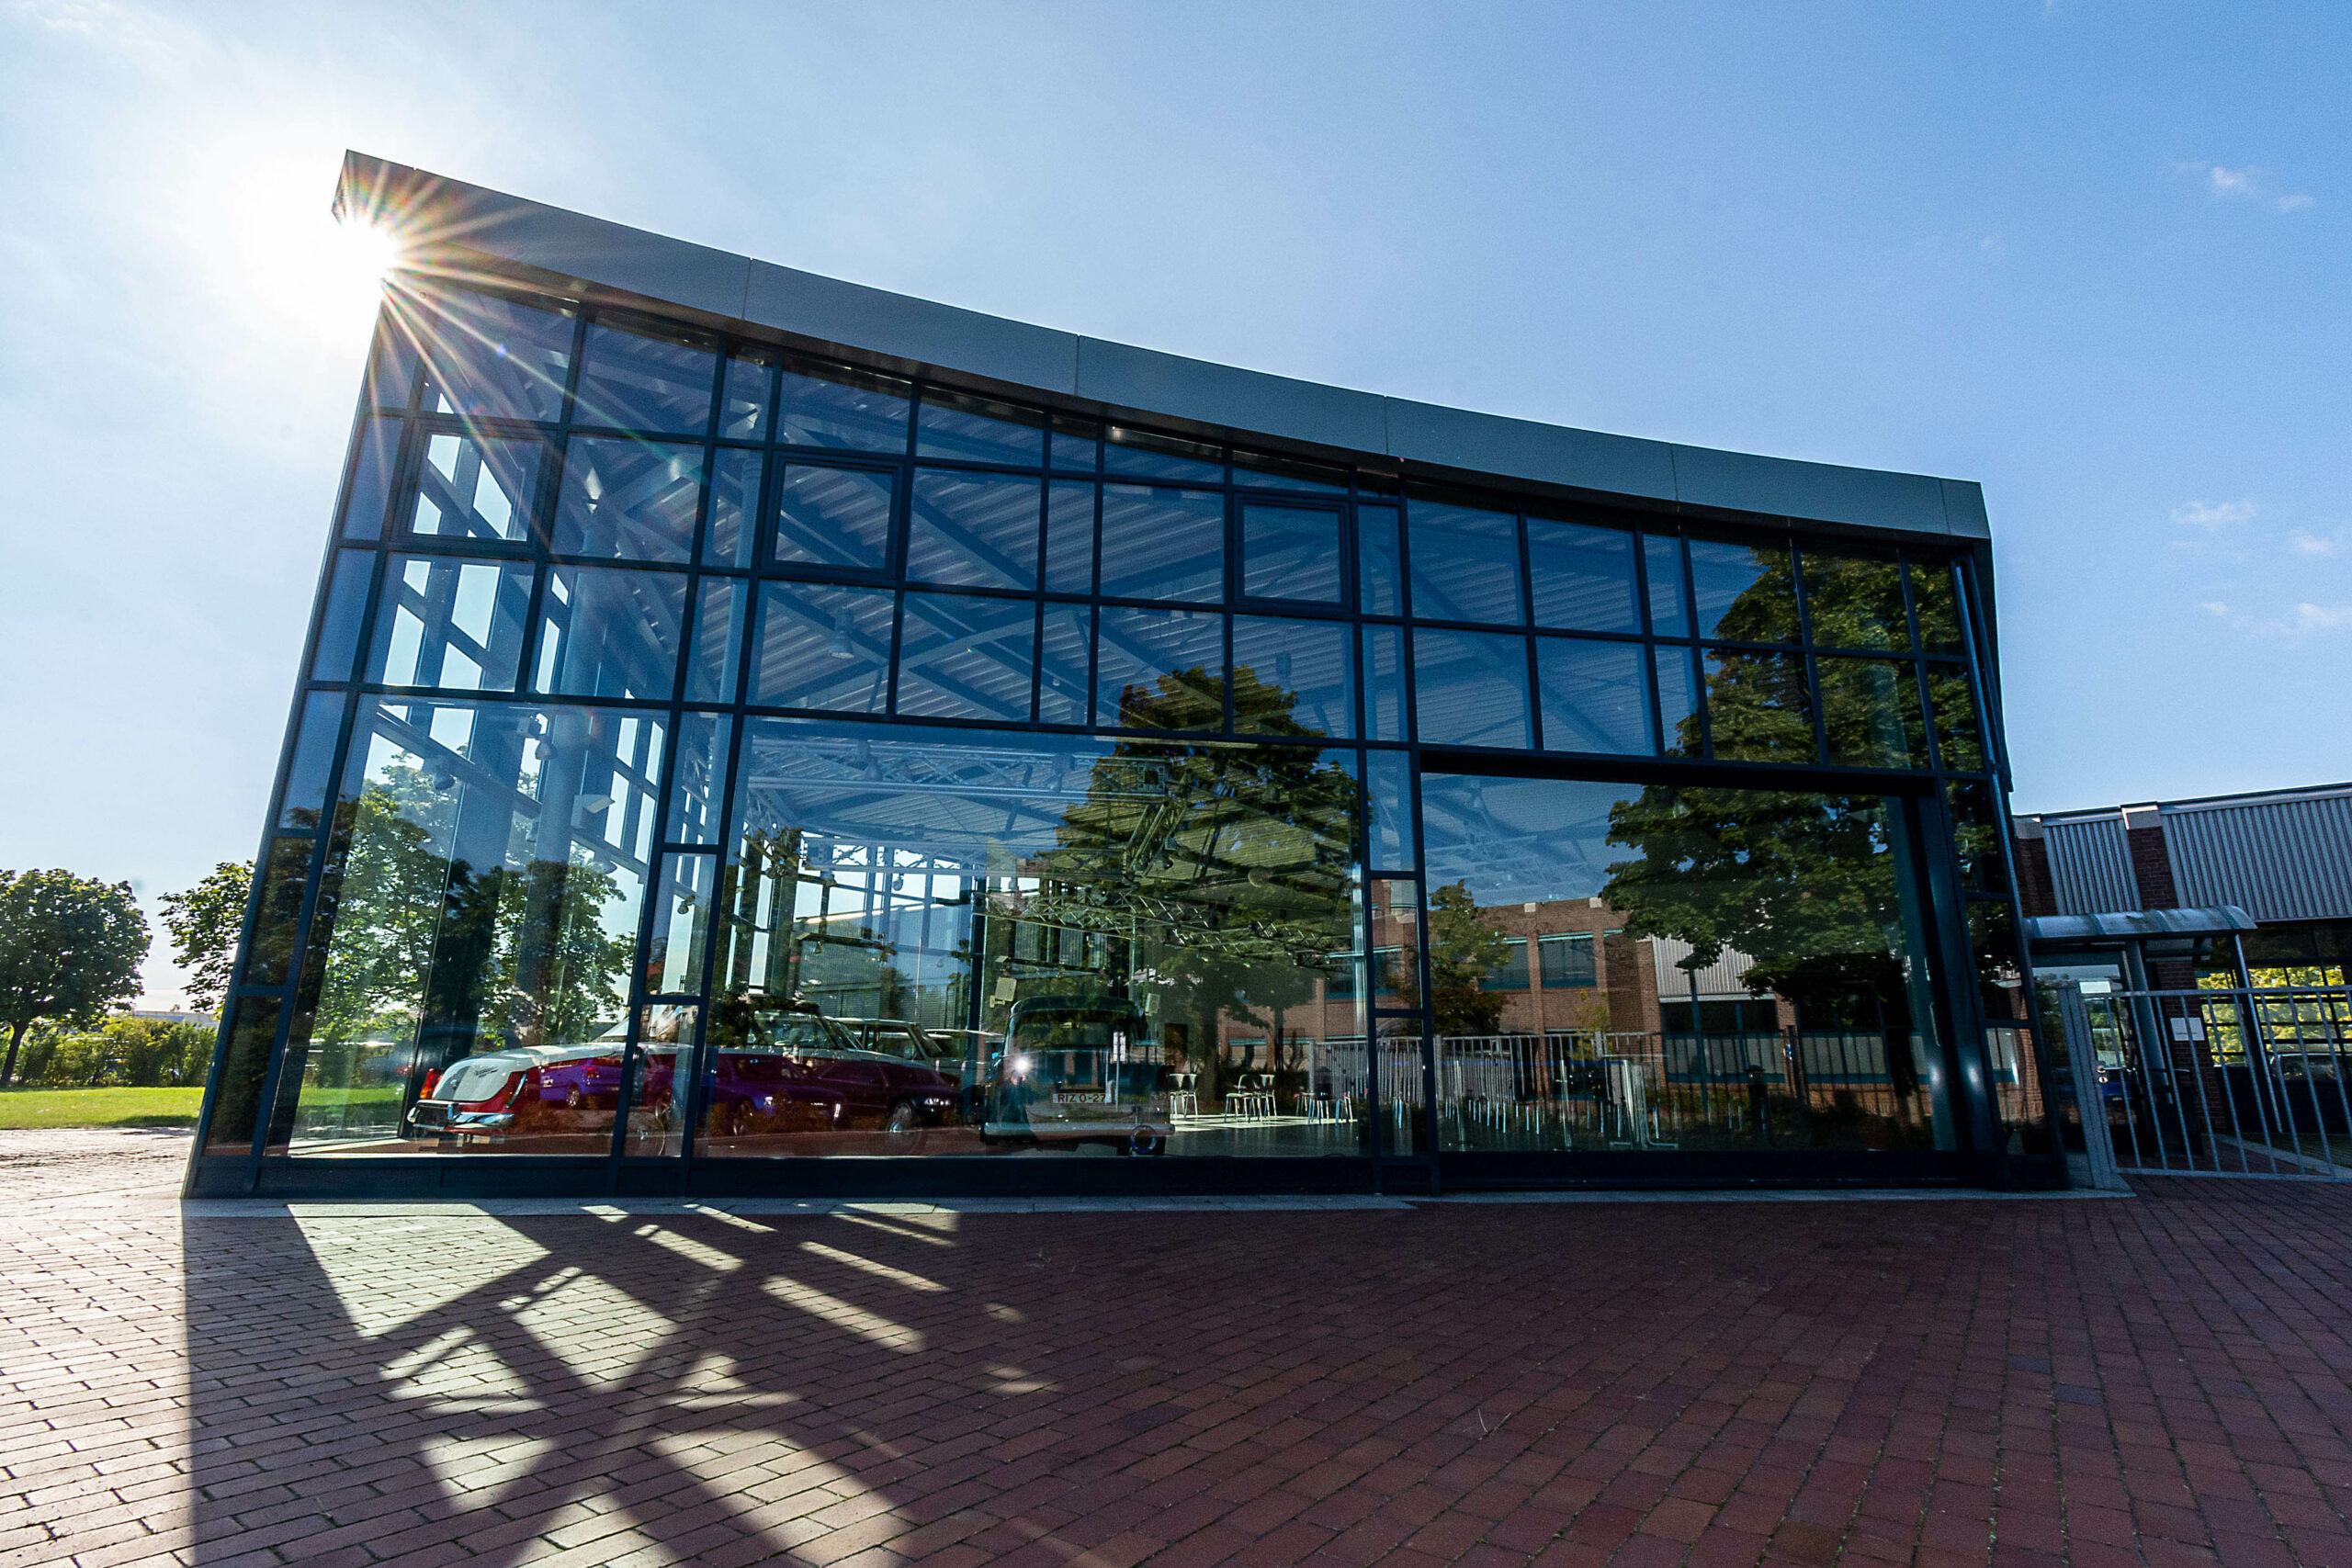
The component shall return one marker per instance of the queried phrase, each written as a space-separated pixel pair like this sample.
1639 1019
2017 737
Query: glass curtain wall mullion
666 791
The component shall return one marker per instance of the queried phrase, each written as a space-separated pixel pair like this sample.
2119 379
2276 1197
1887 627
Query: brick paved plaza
2160 1380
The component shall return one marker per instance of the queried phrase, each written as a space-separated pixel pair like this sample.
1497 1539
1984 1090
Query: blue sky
2093 254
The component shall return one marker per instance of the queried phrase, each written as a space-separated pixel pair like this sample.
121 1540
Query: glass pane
1069 538
729 538
492 358
1762 981
1567 963
1144 456
834 517
1470 689
611 632
1870 712
1677 701
1293 677
469 487
963 942
285 871
822 647
965 657
1063 663
1074 442
391 361
719 641
1757 707
632 381
1976 835
744 405
1662 565
1380 561
1163 544
1260 471
304 800
1854 601
629 500
1939 610
1746 592
1583 577
682 919
253 1030
1465 564
659 1069
1594 697
1161 670
1957 736
699 779
1388 789
1383 683
450 623
975 430
1290 552
478 918
371 479
2008 1032
338 642
839 407
976 530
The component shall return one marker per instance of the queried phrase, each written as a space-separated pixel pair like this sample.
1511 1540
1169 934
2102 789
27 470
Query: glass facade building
782 748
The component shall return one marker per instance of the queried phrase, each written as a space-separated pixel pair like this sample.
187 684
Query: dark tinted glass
728 536
1595 697
1662 564
1757 707
312 768
1677 702
745 403
1293 677
629 500
1380 561
822 647
491 358
717 641
975 430
339 625
1161 670
1976 835
834 516
1466 563
1470 688
371 477
1870 712
1069 538
1260 471
285 868
973 529
1062 664
1582 577
635 381
1162 543
1939 610
1745 592
611 632
1384 683
253 1029
1290 552
1145 455
450 624
476 488
1074 444
1854 601
1957 736
840 408
963 657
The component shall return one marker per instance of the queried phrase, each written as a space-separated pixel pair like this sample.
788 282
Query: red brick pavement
2155 1382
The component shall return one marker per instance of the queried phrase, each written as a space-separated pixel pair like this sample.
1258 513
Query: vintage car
1078 1072
797 1070
524 1089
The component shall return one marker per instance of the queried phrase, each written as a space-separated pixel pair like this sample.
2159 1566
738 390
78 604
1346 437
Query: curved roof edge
447 224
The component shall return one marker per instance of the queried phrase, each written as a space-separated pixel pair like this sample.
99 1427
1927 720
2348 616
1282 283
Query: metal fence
2215 1081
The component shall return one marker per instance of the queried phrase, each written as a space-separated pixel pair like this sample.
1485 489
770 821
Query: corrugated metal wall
2278 859
1717 981
2090 866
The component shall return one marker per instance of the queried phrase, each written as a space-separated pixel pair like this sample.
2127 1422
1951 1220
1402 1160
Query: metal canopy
2218 919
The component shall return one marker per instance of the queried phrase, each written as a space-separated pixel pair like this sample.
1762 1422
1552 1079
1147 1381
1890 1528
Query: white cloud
2308 544
2249 184
2322 617
2214 608
2199 515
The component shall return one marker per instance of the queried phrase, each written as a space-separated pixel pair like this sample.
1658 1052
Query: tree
204 922
70 949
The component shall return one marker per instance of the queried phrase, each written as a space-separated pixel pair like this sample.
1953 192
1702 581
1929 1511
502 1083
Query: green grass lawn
99 1107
